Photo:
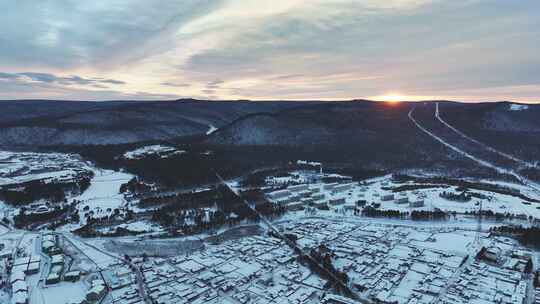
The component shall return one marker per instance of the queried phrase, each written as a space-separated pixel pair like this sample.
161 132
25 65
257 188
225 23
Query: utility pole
477 240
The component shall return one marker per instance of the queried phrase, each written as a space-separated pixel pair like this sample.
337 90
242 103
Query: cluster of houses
120 283
249 270
499 275
50 247
19 266
22 267
58 271
400 265
325 195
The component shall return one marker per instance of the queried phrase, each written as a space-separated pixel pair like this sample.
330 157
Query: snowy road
525 181
359 297
483 145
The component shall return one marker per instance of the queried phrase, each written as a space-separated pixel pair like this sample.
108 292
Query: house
417 203
57 260
492 254
342 188
318 196
19 286
298 188
279 194
17 276
330 186
402 200
97 291
72 276
20 297
320 204
52 278
337 201
295 206
33 268
387 197
47 246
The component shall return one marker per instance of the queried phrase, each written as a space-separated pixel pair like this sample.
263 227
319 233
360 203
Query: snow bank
163 151
518 107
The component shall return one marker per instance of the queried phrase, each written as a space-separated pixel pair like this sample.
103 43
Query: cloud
177 85
50 79
70 33
214 84
272 50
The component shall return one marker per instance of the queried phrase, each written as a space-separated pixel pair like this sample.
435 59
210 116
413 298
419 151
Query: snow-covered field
373 191
518 107
101 198
18 167
99 257
211 129
60 293
161 150
103 195
495 202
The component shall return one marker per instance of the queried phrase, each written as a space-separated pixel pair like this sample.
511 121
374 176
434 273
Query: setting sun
392 97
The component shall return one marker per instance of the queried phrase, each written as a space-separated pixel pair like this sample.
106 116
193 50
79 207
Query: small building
402 200
52 278
387 197
318 196
57 269
350 206
492 254
307 201
57 259
298 188
320 204
337 201
304 193
17 276
283 201
33 268
417 203
72 276
342 188
19 286
47 246
315 190
279 194
330 186
119 282
20 297
97 291
295 206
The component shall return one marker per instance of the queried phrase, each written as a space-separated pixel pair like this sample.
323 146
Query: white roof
19 297
16 275
19 285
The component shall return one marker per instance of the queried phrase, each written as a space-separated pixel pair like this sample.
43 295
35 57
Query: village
378 240
383 264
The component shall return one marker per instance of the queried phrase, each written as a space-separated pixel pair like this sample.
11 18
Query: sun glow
392 98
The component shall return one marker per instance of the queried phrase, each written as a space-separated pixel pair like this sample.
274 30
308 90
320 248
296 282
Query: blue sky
470 50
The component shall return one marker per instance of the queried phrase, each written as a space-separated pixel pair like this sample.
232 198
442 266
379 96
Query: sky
466 50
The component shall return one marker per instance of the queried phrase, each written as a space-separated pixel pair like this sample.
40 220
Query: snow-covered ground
161 150
211 129
103 195
518 107
99 257
61 293
373 190
18 167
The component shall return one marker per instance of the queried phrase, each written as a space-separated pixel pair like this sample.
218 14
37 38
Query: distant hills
350 126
